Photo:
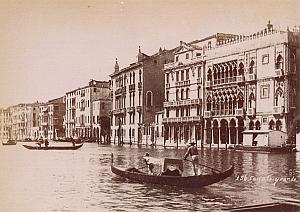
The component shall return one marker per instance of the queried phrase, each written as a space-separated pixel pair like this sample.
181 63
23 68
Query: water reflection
82 181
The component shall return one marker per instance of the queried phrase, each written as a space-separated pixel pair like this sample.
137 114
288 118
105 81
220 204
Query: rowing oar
205 166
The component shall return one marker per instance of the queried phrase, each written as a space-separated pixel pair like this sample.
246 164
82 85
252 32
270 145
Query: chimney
116 65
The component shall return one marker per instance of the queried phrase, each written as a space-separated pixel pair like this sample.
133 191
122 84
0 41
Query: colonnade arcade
224 131
183 132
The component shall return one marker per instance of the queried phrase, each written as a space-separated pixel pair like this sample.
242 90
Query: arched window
271 125
177 95
133 77
278 125
208 104
209 75
241 69
187 93
257 125
199 92
251 67
251 125
279 98
149 99
182 94
251 101
279 62
167 96
240 100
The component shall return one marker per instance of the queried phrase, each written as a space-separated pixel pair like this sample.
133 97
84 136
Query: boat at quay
9 142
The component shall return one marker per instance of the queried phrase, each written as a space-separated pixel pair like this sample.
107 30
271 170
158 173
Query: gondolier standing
193 152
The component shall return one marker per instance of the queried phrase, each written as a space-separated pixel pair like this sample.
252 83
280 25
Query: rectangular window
182 75
264 91
177 58
187 73
167 78
187 56
265 59
177 76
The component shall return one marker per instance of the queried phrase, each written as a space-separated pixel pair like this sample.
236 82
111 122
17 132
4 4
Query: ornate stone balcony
130 109
207 114
131 87
182 119
278 72
182 83
251 77
139 109
239 112
240 78
119 111
140 85
121 90
183 103
251 111
208 83
278 110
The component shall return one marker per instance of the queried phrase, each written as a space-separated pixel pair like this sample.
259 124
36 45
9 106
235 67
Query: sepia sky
50 47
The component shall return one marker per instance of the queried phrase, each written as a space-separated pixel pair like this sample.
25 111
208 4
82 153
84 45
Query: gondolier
193 152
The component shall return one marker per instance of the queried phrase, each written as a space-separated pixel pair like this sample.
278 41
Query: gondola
9 142
53 147
179 181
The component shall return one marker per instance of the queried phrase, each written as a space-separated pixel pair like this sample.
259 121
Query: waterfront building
84 106
5 125
137 94
158 128
251 82
70 116
20 121
51 119
183 116
101 117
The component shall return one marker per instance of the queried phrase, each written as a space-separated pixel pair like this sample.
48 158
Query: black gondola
53 147
180 181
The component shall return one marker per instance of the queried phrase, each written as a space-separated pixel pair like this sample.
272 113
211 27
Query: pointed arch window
251 101
279 62
149 98
279 97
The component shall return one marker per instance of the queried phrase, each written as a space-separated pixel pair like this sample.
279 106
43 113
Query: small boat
266 149
53 147
9 142
167 178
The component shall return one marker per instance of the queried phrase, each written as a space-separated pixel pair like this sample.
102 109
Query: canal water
81 180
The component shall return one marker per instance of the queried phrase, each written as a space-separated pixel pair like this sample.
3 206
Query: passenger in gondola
46 143
149 164
73 141
193 152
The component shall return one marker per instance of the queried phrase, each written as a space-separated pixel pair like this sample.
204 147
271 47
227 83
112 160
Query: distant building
5 124
252 82
70 116
137 94
84 98
51 119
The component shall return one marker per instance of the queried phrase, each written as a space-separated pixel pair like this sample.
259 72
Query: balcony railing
199 81
183 103
119 111
278 72
120 90
182 119
140 85
207 114
208 83
239 112
251 111
278 110
240 78
251 77
182 83
130 109
139 109
131 87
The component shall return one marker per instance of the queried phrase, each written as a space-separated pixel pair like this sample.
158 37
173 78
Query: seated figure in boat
150 165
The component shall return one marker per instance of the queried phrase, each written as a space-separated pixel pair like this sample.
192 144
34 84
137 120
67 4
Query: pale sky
50 47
